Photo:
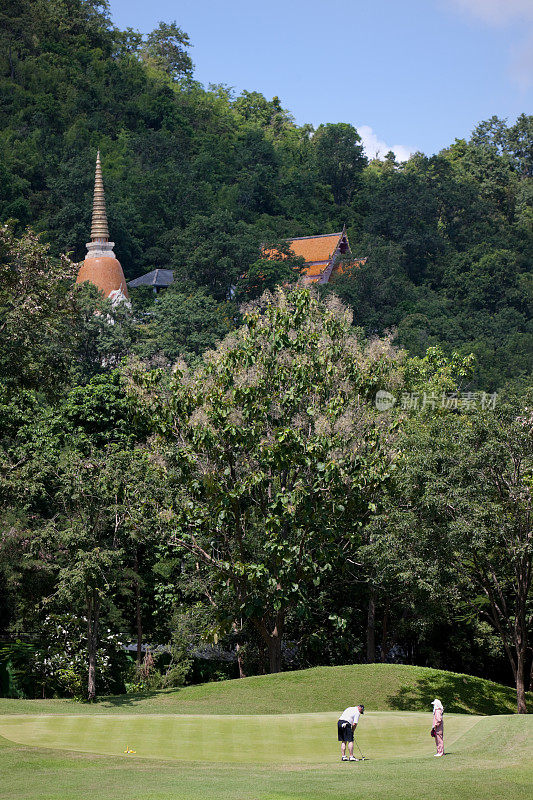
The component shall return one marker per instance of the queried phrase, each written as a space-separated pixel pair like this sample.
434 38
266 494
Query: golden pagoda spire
99 229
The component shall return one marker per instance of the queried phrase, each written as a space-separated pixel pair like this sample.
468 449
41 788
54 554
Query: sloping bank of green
382 687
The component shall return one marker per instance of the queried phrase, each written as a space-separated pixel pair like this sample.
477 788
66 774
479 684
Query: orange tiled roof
313 272
317 252
315 248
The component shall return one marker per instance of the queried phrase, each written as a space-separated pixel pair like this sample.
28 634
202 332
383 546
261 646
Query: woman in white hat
438 726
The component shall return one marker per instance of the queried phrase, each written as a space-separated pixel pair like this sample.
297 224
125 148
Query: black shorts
344 731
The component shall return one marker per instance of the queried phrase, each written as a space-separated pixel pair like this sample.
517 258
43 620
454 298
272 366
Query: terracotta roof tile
317 252
315 248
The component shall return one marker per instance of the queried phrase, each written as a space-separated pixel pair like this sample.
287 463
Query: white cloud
497 12
375 147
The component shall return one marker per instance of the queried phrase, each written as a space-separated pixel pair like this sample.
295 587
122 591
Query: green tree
81 499
214 252
277 266
278 451
164 49
35 313
463 517
513 141
183 323
268 114
340 158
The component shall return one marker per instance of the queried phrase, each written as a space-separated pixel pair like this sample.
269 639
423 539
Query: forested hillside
196 178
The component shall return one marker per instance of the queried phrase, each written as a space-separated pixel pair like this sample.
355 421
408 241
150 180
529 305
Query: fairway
270 739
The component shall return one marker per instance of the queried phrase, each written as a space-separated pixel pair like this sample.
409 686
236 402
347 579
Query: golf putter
363 758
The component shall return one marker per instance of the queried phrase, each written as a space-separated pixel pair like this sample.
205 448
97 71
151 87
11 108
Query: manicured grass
380 686
492 758
272 738
277 739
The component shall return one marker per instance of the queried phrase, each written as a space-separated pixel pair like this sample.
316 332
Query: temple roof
320 253
157 277
315 249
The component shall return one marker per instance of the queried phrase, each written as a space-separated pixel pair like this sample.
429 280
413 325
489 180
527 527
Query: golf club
363 758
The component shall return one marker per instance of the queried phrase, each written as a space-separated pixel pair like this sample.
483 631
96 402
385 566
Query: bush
56 664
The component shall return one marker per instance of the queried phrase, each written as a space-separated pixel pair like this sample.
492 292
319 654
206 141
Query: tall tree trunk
238 628
384 633
520 643
521 633
520 685
93 616
274 652
242 673
138 617
272 637
516 649
371 628
514 637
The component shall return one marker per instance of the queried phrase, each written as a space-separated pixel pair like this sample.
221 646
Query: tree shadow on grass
130 700
458 693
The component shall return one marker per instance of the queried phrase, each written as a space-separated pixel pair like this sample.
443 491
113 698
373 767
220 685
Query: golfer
438 726
345 728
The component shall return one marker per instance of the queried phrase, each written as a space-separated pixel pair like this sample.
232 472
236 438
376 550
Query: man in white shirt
345 728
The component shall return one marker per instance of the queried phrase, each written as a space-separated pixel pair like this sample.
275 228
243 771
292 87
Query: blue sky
410 75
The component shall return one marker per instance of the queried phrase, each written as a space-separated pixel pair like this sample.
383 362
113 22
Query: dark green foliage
35 314
183 324
340 158
277 266
213 252
164 49
459 522
15 669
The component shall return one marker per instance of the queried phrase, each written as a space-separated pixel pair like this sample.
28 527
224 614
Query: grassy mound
381 687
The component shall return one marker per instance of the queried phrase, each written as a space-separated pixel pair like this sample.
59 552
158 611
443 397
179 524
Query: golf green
292 757
270 739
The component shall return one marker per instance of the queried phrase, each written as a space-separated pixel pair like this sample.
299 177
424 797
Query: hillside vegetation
197 178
